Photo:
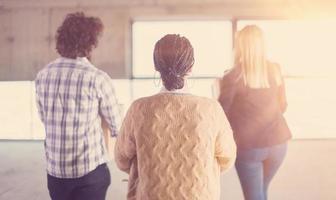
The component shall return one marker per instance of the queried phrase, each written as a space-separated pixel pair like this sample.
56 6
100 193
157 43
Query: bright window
212 42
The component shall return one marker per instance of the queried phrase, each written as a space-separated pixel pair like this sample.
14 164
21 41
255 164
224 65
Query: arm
108 104
282 97
281 88
215 88
125 147
225 149
38 102
227 87
107 138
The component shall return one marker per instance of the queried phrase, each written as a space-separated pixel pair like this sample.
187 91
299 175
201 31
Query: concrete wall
28 27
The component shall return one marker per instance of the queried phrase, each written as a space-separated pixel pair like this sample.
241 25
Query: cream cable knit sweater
174 147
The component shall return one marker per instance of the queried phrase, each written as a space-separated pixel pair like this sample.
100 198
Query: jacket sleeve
228 87
225 149
282 97
281 90
125 147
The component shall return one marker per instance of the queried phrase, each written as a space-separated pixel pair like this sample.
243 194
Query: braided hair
173 58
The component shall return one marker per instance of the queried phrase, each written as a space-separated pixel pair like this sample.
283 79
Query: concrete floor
308 173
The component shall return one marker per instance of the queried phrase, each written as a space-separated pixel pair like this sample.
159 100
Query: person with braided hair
174 145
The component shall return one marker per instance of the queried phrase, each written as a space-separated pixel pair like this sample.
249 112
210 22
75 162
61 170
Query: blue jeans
256 168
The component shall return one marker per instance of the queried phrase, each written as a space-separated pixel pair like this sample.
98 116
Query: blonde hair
250 55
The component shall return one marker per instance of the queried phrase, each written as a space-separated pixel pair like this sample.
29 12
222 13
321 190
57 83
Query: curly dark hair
173 58
78 35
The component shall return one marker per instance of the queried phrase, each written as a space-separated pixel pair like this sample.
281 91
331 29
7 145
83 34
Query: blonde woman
252 95
173 144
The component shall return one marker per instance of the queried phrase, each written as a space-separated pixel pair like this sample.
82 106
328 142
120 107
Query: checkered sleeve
38 100
108 103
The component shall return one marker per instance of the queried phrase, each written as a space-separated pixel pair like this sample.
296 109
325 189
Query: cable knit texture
174 147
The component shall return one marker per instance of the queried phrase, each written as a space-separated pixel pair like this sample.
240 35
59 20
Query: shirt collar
85 60
183 90
82 60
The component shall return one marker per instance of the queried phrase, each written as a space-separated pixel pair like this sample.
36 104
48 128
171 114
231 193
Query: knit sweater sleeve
125 149
225 150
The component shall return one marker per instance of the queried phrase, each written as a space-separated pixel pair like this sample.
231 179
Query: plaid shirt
72 95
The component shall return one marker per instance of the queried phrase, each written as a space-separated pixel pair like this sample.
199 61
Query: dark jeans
92 186
256 168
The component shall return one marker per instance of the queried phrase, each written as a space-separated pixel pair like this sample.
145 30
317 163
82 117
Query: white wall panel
16 108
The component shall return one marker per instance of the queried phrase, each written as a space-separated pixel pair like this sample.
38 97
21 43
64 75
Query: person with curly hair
73 99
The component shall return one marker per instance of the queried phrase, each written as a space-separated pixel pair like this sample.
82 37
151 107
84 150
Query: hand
109 142
215 88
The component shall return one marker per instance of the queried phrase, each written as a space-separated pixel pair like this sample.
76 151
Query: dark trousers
92 186
257 167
